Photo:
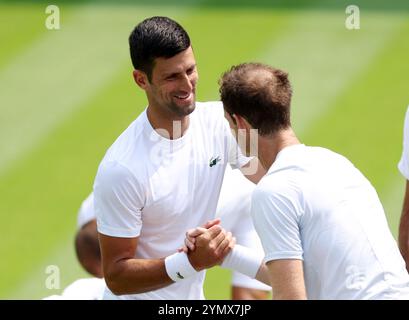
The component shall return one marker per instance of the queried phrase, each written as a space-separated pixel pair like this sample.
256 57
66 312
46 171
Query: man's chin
183 110
189 109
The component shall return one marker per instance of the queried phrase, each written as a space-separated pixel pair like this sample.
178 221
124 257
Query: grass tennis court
65 96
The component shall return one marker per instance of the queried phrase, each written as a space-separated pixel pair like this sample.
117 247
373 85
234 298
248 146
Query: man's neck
167 126
270 146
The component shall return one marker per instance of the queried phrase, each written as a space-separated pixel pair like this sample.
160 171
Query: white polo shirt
404 161
156 189
314 205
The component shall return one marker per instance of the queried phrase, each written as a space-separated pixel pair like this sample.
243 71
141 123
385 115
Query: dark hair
153 38
259 93
87 248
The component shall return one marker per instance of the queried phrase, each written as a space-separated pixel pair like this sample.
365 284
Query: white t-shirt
404 161
156 189
314 205
82 289
233 209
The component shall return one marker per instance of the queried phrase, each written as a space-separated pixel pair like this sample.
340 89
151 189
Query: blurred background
66 95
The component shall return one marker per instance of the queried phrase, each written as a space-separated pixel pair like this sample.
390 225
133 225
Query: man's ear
241 122
141 79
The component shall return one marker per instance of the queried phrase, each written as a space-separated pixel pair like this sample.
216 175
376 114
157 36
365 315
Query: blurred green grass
42 188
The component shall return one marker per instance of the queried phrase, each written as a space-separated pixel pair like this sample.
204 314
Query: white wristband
243 260
178 266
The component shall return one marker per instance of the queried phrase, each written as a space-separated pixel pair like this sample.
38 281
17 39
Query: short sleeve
404 161
240 280
276 213
118 201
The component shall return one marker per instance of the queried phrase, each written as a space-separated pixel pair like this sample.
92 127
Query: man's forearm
131 276
287 279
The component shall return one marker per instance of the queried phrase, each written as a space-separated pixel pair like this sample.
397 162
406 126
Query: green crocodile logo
213 161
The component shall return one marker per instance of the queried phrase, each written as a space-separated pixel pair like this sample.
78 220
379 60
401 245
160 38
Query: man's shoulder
267 184
125 160
132 133
112 173
127 145
278 184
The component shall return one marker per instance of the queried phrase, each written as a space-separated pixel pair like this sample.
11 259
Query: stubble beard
181 112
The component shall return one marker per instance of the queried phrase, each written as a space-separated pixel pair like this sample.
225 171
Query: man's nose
187 83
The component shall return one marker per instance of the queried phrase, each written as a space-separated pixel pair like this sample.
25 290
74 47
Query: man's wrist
178 266
243 260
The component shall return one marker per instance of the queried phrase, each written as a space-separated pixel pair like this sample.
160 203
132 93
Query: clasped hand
208 245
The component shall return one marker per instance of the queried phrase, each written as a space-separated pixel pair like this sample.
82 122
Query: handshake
211 245
208 246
